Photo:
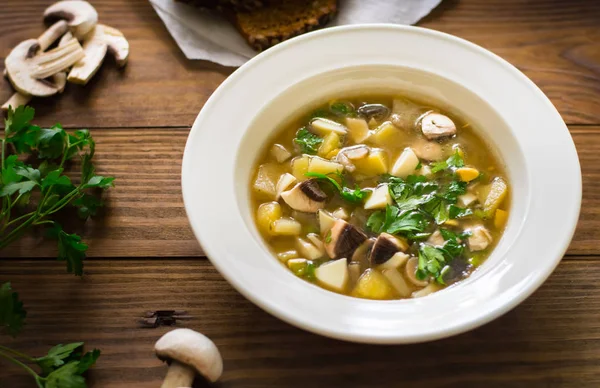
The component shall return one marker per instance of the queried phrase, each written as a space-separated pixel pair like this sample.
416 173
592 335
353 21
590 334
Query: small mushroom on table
188 353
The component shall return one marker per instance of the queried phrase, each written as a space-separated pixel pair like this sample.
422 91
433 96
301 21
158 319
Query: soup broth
380 197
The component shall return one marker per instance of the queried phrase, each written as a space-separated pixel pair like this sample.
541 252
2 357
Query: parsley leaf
70 249
50 142
18 119
56 356
307 141
431 262
356 195
12 313
453 190
339 108
458 212
454 161
397 221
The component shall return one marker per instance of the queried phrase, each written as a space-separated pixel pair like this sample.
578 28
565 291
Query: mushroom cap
193 349
19 69
79 15
118 46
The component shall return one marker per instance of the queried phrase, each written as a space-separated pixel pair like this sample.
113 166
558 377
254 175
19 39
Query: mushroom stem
51 34
16 100
178 375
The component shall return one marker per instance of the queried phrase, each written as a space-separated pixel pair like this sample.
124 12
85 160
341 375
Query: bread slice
281 20
228 5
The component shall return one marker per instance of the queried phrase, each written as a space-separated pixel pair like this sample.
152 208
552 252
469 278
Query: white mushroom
306 197
26 69
79 15
348 154
308 250
384 248
341 213
435 125
428 150
280 153
343 240
16 100
479 239
54 32
436 239
95 45
285 181
188 353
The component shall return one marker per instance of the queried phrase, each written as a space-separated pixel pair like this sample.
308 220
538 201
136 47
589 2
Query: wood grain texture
551 340
145 214
553 42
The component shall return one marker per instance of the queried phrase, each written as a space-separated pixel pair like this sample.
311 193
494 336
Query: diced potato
330 142
492 196
287 255
322 127
341 213
358 129
373 285
429 289
300 167
397 281
467 174
286 227
298 266
285 181
280 153
323 166
333 275
326 221
266 214
500 218
315 239
379 198
467 199
373 165
353 272
333 153
266 180
425 171
308 250
387 134
394 262
406 163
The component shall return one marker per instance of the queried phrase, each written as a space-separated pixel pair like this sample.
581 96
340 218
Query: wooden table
143 255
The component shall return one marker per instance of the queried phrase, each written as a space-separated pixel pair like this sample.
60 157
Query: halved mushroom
27 70
377 111
384 248
343 240
306 196
435 126
95 45
361 254
50 36
79 15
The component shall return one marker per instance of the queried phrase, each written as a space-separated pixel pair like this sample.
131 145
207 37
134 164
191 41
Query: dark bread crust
228 5
282 20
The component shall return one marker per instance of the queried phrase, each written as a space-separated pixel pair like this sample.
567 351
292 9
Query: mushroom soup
380 198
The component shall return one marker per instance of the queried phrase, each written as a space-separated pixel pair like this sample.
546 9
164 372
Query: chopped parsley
328 237
396 221
342 109
435 261
454 161
307 141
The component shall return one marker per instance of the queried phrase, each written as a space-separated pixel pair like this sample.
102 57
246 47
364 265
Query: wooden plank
551 340
553 42
145 214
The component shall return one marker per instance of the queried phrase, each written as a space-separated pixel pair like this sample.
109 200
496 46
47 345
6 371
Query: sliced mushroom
428 150
411 272
344 240
306 196
361 254
50 36
322 126
479 239
79 15
377 111
429 289
27 70
435 126
384 248
280 153
308 250
16 100
285 181
356 152
95 45
316 240
395 262
341 213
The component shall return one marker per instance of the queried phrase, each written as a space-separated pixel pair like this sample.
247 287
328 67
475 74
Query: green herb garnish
397 221
45 189
328 237
307 141
356 195
341 109
454 161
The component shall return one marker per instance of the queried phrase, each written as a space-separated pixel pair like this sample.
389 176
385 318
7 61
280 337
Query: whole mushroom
188 353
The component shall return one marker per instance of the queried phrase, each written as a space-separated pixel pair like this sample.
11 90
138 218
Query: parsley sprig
307 141
31 196
435 261
62 366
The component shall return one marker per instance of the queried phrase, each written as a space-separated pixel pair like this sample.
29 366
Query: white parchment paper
203 35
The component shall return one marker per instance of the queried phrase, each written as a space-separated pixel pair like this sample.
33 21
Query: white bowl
511 112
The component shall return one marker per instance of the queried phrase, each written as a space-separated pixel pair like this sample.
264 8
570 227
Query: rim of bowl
483 313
